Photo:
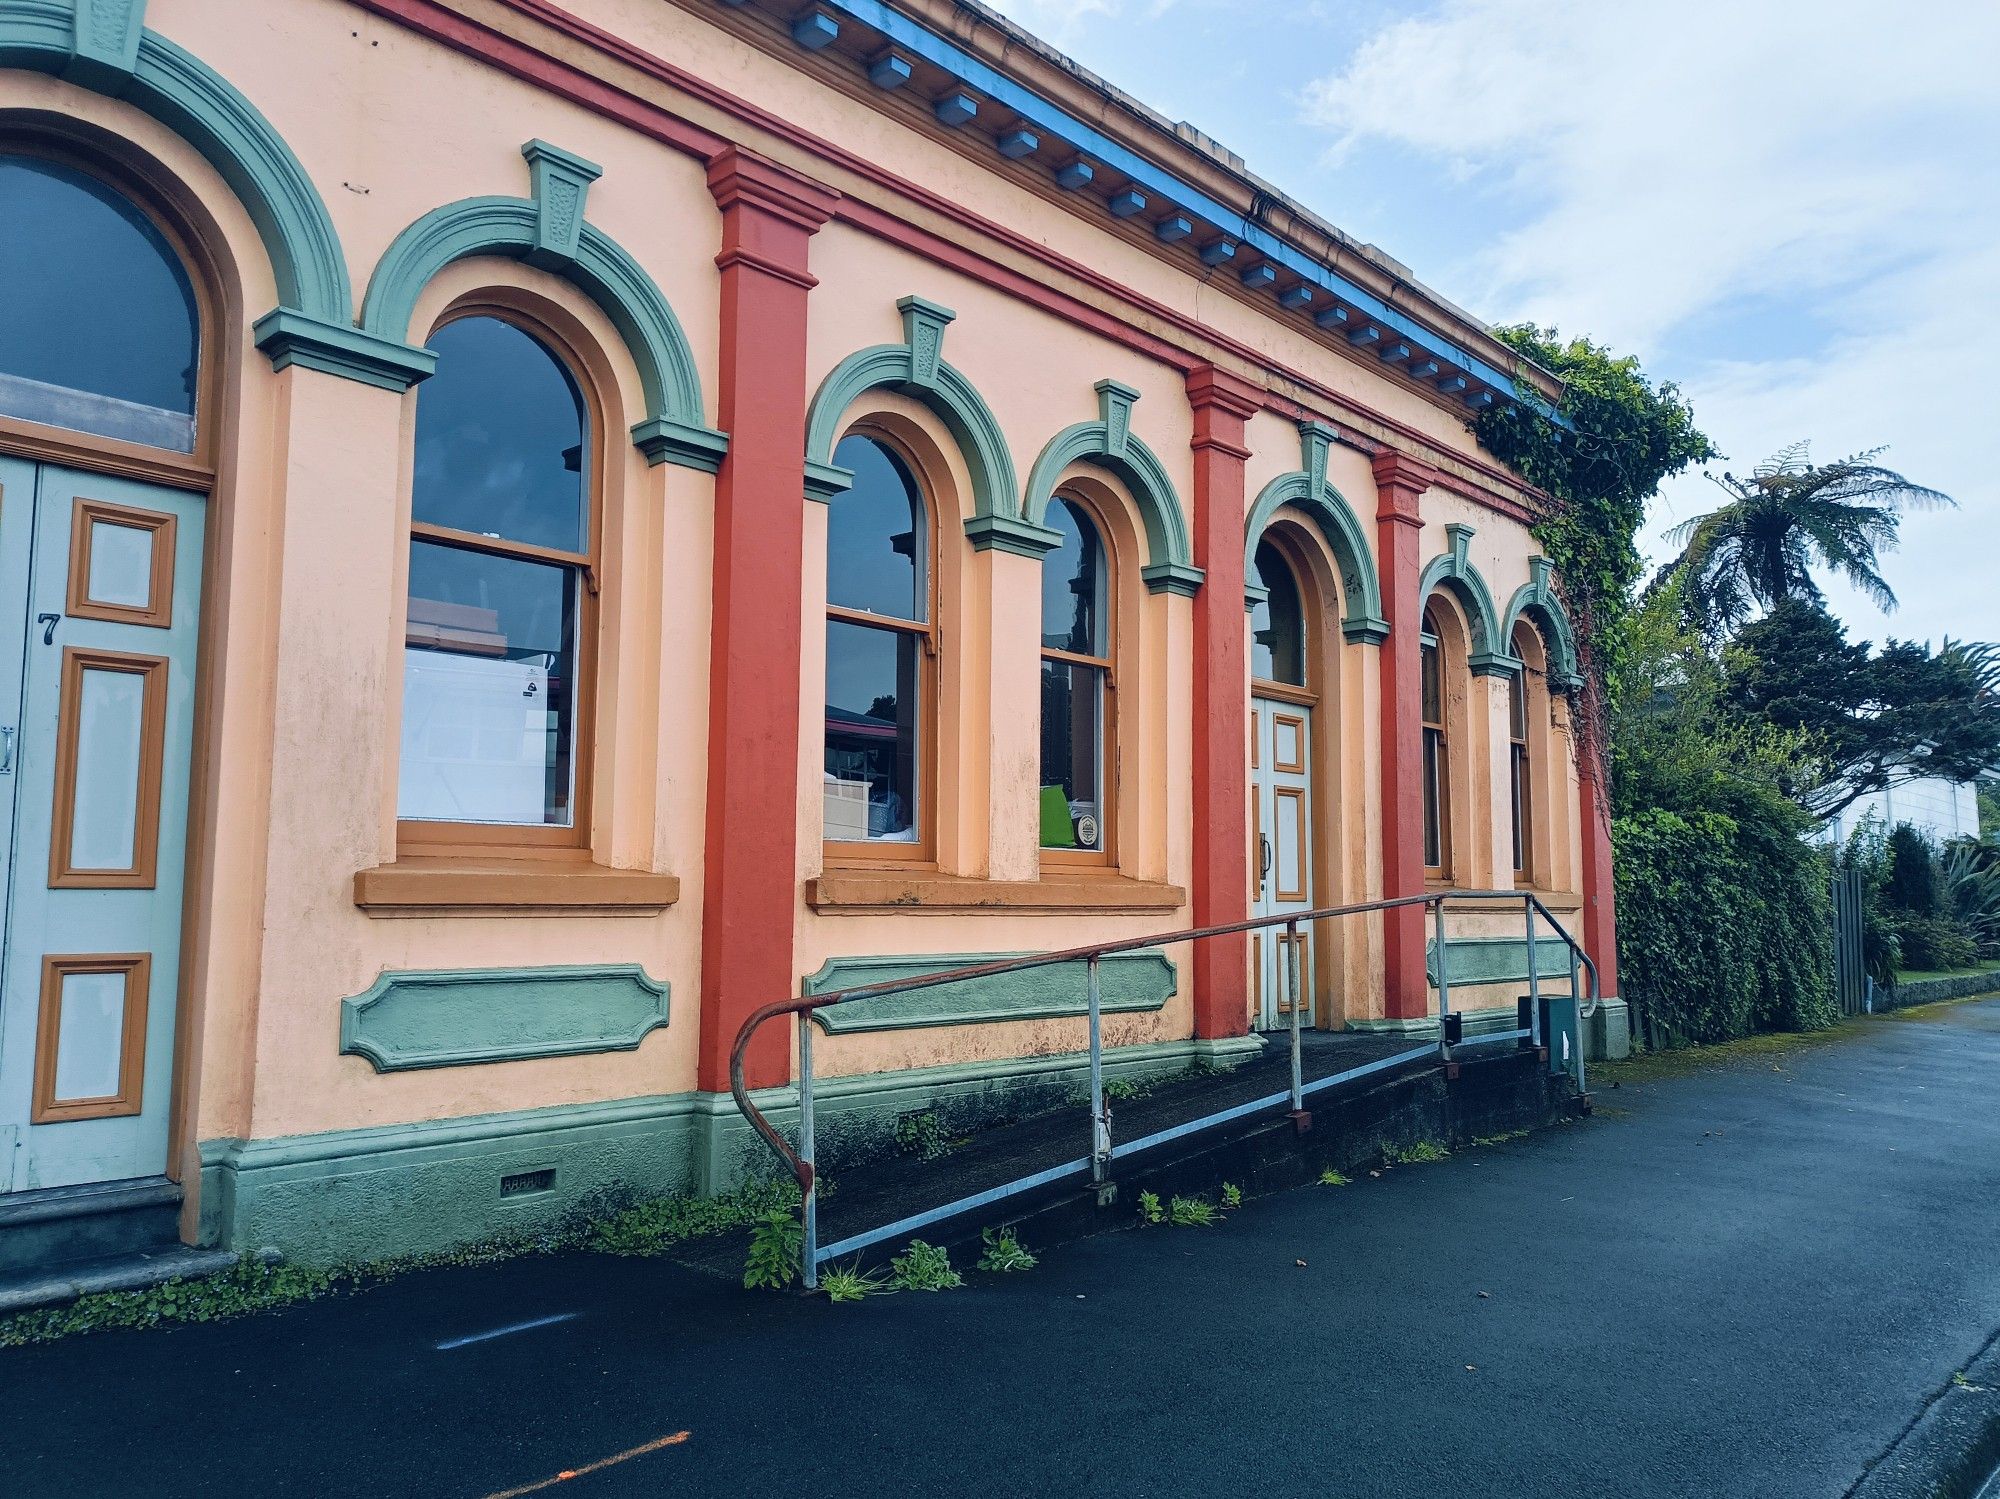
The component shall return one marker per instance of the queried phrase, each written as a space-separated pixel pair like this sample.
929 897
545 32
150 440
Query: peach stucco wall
302 684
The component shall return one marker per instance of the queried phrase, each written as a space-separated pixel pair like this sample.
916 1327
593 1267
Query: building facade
528 533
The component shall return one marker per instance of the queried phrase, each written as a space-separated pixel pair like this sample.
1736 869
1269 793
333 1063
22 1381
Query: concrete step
49 1227
23 1291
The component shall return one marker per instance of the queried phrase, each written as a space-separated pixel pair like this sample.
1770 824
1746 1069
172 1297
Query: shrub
1725 926
1934 944
1913 877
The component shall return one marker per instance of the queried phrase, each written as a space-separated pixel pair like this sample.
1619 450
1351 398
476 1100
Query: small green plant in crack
1122 1089
1192 1212
1332 1178
923 1267
1150 1210
1004 1253
1500 1139
924 1136
1232 1196
1419 1154
852 1283
773 1262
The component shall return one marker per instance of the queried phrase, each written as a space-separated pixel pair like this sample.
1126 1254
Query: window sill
511 887
865 892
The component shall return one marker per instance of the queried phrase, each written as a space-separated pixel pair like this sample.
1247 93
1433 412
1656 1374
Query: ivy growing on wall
1599 454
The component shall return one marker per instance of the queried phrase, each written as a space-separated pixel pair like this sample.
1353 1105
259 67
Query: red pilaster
769 215
1400 483
1222 406
1600 900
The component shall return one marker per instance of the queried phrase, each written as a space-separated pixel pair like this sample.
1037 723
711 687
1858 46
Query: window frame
1303 693
1435 761
921 852
1105 855
426 837
1521 776
164 205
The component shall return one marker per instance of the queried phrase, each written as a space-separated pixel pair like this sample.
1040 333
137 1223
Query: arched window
1077 716
1437 754
1277 623
99 328
1520 765
880 651
496 669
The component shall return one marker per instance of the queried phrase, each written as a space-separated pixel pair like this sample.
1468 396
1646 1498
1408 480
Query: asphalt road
1746 1280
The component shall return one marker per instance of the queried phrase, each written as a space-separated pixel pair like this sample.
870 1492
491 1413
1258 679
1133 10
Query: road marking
603 1462
508 1330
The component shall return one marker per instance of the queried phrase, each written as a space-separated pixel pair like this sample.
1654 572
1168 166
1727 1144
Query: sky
1789 208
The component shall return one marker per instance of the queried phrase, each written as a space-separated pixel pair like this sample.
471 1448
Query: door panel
1282 872
102 660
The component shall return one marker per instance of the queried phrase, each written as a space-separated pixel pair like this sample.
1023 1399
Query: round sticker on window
1086 831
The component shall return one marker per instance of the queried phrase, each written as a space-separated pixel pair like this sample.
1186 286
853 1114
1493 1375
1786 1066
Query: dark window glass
1436 792
500 439
875 545
1072 811
489 689
1517 728
1073 584
99 329
872 705
490 669
1277 624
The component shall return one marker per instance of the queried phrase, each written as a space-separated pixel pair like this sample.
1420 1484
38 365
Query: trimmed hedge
1724 928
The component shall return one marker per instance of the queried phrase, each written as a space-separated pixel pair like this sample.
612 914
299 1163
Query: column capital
738 178
1209 388
1400 482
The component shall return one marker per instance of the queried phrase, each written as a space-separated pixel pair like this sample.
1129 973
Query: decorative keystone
1458 540
923 330
104 46
1114 409
1315 439
558 181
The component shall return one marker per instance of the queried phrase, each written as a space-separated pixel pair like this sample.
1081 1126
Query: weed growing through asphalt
1421 1153
924 1136
1332 1178
1192 1212
1120 1089
852 1283
1150 1210
1004 1253
773 1261
1500 1139
923 1267
1232 1196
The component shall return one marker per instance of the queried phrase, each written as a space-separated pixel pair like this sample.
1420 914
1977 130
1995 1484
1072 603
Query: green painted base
1477 1023
1607 1035
366 1194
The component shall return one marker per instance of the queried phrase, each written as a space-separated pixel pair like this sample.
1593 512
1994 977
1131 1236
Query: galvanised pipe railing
1102 1152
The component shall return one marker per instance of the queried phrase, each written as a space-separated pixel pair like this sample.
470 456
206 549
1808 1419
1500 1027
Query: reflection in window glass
877 650
1517 733
875 535
99 328
1436 790
873 697
1277 622
1073 584
497 561
500 438
1076 661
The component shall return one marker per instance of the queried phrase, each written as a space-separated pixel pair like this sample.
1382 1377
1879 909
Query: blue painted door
100 591
1282 880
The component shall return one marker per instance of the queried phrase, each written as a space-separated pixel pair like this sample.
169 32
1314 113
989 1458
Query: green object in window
1058 831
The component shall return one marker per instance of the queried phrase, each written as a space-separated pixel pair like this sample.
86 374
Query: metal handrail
800 1160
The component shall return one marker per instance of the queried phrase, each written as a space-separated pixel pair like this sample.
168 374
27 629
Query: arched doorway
1283 705
103 375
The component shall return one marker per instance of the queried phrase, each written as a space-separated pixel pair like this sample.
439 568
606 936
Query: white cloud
1060 21
1700 175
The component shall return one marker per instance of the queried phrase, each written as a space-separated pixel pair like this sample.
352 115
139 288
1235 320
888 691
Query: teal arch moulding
1536 600
1109 443
549 230
458 1018
1360 591
916 368
102 45
1453 570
